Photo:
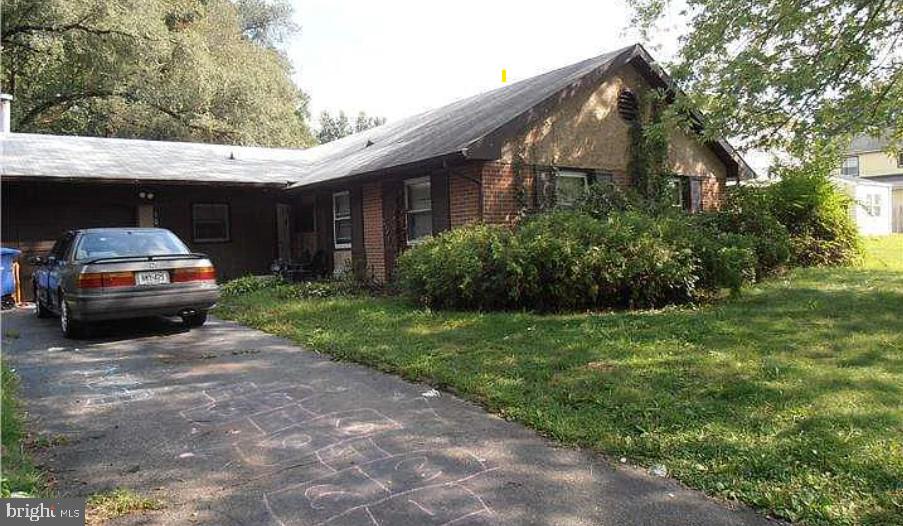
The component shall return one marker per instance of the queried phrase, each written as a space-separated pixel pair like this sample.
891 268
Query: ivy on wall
648 156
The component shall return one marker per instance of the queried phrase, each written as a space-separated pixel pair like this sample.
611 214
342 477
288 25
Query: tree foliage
336 127
797 75
196 70
266 22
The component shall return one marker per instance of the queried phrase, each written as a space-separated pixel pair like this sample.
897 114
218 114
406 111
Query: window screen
570 186
418 209
850 167
341 214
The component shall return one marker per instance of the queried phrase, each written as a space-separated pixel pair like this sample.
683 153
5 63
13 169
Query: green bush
723 259
462 268
565 261
748 211
248 284
606 198
816 214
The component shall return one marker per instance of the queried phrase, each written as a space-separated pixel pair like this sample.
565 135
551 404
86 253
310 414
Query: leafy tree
332 128
796 75
336 127
266 22
160 69
365 122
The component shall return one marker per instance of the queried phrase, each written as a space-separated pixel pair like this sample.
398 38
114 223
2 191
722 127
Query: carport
220 200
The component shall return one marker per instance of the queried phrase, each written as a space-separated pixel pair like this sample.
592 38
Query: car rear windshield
124 243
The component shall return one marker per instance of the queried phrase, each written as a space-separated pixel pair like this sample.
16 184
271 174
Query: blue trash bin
7 256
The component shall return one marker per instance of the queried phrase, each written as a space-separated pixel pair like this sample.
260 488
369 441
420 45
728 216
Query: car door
57 266
41 272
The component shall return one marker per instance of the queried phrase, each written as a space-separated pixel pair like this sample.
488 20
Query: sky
395 58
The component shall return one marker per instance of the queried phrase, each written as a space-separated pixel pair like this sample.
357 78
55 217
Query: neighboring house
362 199
874 178
872 211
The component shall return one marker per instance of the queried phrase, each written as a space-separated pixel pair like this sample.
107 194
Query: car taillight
104 280
181 275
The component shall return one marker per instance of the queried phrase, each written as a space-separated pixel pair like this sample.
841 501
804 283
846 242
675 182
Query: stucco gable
584 130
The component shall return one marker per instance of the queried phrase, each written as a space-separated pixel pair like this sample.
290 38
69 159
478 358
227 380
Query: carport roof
468 128
105 159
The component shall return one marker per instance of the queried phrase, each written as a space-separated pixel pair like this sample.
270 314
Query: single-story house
360 200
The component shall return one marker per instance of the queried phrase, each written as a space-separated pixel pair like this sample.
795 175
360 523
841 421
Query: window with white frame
341 219
570 186
418 206
899 159
872 204
210 222
850 166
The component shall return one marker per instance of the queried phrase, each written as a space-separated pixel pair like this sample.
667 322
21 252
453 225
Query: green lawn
17 473
789 398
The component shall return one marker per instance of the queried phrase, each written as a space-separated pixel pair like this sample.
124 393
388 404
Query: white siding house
874 210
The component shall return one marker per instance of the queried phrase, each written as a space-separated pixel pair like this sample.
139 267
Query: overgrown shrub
817 217
570 260
723 259
747 211
462 268
603 199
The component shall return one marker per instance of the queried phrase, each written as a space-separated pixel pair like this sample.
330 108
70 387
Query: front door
284 231
146 216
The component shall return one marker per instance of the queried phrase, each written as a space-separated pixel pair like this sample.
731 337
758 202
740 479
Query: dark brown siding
439 198
393 222
36 213
325 226
358 254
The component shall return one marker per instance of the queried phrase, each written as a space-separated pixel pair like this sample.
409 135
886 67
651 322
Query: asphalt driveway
228 425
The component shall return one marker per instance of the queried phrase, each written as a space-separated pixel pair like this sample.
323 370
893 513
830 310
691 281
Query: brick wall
501 204
464 195
374 242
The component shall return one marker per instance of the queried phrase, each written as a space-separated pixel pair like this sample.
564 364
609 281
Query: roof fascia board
402 170
146 182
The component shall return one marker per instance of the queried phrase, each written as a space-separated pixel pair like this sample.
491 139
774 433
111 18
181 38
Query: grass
17 472
102 507
787 398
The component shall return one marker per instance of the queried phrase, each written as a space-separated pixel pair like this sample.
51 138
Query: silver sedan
116 273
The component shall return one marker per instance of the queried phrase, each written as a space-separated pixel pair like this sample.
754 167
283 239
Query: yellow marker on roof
504 76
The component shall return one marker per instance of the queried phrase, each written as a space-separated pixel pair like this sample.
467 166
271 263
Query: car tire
69 327
40 311
195 320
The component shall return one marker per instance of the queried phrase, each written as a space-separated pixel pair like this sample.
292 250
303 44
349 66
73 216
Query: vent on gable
628 105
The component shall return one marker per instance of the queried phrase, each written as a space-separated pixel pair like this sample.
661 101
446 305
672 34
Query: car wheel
70 328
195 320
40 310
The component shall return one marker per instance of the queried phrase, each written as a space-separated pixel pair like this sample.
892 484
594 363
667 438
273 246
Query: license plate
157 277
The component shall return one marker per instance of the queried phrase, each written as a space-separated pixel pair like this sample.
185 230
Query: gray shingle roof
451 129
446 130
60 156
866 143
